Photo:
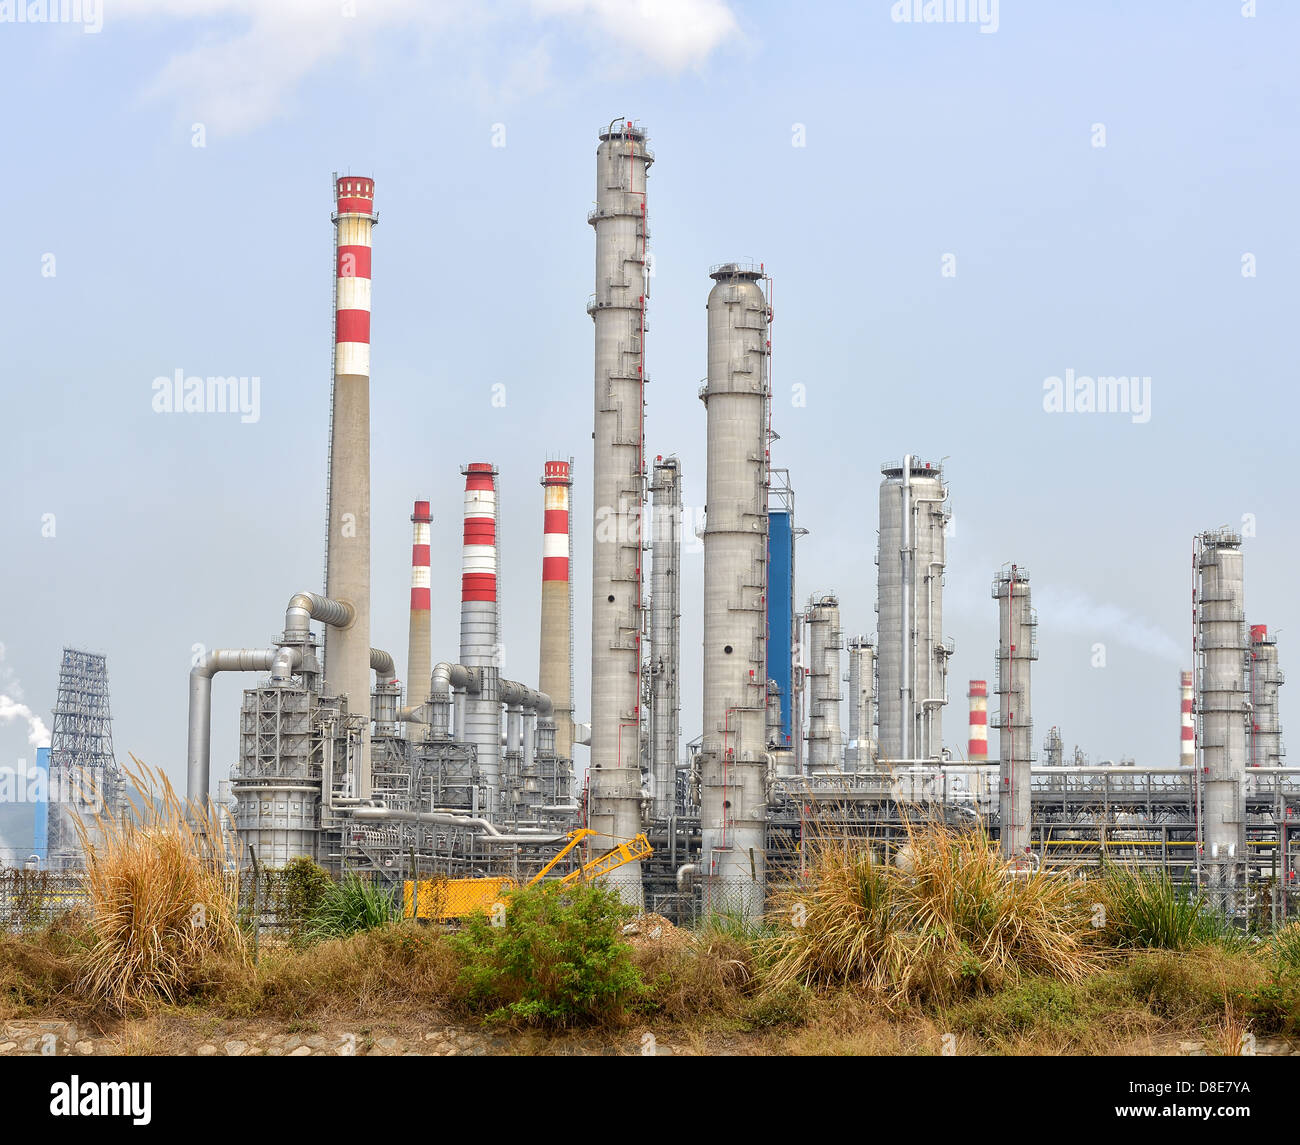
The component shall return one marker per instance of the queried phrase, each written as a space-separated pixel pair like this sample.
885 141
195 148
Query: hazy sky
863 159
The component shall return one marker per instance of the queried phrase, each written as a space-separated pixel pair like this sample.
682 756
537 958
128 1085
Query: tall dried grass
958 920
163 893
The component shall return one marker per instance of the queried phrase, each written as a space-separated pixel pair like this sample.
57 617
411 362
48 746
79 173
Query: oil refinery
452 769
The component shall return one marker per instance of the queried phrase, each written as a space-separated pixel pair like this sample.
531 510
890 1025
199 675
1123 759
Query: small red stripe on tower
354 262
421 600
352 326
555 568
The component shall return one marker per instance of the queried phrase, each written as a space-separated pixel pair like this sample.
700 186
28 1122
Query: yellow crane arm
575 837
630 852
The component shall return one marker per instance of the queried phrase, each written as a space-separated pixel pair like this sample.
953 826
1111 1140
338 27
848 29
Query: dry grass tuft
956 922
164 898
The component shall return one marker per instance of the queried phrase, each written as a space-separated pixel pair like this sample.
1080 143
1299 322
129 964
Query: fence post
257 903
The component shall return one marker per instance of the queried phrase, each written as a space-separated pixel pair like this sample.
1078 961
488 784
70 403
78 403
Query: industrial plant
452 770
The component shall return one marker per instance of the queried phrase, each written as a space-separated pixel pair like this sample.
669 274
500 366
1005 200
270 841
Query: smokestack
1187 756
347 543
977 749
1017 648
734 761
665 634
419 647
479 640
823 621
618 479
555 667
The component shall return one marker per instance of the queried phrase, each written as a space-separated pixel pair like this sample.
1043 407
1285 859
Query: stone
386 1043
207 1050
235 1049
84 1048
300 1052
5 1047
1189 1047
315 1042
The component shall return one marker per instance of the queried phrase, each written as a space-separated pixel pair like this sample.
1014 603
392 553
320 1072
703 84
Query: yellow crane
444 899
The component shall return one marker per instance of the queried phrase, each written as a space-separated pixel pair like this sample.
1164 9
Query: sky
953 214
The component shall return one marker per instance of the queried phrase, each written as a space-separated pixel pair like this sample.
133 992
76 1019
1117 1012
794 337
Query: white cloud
251 55
38 735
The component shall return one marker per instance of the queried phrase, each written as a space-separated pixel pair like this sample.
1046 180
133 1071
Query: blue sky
921 140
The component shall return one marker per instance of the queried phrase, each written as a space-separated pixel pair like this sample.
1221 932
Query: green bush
352 906
1145 909
558 960
295 893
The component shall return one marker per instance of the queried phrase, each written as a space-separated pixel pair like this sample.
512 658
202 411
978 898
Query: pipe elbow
304 607
382 663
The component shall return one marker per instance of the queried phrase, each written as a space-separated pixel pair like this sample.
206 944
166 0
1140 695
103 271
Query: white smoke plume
38 735
1068 610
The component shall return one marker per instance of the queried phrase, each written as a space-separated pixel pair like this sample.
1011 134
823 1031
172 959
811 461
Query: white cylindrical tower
1222 705
822 619
347 543
1017 649
665 633
618 311
1265 679
733 759
860 754
480 647
911 654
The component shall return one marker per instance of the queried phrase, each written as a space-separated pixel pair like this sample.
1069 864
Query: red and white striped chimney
479 641
347 561
977 750
419 649
555 669
1187 756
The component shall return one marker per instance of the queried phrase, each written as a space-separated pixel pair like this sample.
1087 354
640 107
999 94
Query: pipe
686 872
490 833
307 606
199 751
385 670
905 666
442 679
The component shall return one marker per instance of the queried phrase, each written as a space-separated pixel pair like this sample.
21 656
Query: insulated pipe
385 670
307 606
905 660
490 833
441 681
199 752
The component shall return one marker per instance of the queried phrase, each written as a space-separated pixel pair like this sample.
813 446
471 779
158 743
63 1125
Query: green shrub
352 906
295 894
1146 909
558 960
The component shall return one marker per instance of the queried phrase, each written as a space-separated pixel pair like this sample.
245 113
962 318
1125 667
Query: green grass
1145 909
352 906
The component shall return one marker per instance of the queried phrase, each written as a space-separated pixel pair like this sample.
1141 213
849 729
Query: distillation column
479 642
1222 705
347 542
665 633
733 758
822 620
911 655
860 755
419 644
617 310
1265 679
555 667
977 747
1017 649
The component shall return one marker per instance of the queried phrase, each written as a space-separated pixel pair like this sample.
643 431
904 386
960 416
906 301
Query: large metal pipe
734 761
441 681
617 310
555 654
199 752
347 545
665 634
